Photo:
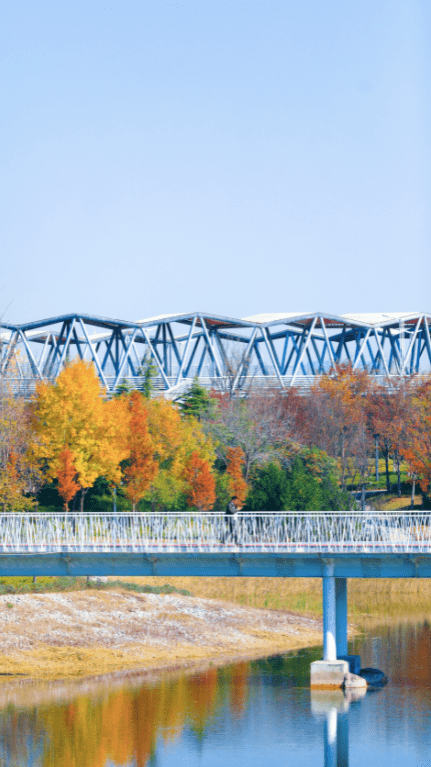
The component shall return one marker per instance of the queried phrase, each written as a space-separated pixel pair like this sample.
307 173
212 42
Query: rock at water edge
353 681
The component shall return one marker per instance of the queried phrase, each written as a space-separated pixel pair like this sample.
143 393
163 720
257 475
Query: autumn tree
200 483
142 466
66 476
237 485
417 450
259 425
390 410
19 475
73 413
334 419
175 439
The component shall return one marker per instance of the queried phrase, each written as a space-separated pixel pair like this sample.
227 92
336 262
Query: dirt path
69 634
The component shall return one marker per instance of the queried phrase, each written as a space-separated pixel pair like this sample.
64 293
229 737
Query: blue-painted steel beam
232 564
283 347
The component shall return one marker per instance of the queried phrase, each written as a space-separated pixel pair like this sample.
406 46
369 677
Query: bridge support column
330 672
354 661
341 616
329 615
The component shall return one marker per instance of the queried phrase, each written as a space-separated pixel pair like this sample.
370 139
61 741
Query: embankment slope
69 634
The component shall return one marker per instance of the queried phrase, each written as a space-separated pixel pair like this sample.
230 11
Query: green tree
305 490
271 491
307 485
197 402
148 372
324 469
123 387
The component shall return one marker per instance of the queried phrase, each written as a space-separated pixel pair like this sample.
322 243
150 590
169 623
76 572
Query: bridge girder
282 350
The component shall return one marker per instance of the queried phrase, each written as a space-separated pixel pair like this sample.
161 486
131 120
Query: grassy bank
374 596
101 630
46 585
369 597
64 627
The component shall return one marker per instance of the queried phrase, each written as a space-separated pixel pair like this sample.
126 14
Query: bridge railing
278 532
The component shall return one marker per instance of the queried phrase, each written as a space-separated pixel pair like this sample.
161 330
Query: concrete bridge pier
341 616
336 662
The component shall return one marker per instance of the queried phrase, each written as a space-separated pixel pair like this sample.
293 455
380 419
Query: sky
226 157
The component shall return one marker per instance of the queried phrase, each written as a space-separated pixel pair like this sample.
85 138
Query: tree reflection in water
243 714
123 726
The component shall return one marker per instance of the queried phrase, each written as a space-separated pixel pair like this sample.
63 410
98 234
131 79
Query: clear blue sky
230 157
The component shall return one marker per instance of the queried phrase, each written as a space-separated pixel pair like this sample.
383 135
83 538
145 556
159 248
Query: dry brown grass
393 503
86 633
376 596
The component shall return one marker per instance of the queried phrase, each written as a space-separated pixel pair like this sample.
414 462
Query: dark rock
374 677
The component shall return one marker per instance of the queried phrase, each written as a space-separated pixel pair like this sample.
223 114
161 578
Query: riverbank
87 633
367 597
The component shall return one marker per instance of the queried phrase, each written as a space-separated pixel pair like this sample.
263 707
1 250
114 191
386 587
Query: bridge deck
285 544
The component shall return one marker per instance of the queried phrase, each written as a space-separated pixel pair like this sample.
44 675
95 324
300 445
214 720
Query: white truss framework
287 532
281 350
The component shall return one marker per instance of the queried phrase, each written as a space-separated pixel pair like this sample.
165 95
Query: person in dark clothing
230 514
232 508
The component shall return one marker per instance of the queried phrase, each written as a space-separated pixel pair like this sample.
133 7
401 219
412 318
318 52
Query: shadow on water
249 713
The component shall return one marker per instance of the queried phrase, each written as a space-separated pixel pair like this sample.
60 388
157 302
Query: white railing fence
284 532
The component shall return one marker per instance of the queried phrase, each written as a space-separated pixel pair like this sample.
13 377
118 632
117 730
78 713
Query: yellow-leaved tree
175 439
74 414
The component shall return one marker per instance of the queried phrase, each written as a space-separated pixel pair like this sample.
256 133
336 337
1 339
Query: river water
246 714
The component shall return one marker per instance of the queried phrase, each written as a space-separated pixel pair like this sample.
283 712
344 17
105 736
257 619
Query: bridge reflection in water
332 707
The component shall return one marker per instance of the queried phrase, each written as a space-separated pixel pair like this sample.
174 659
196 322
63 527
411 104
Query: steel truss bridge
358 544
280 350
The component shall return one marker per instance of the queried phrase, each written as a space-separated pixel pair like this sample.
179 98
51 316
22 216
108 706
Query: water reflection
332 708
246 714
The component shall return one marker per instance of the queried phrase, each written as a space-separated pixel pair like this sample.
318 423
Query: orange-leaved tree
73 413
337 420
19 475
175 438
417 451
237 485
200 481
66 475
142 465
390 409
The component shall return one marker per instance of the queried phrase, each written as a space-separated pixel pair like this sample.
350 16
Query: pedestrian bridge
352 544
333 546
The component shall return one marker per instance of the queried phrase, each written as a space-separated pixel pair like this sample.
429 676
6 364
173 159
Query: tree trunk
397 458
81 499
376 450
388 485
412 499
343 467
